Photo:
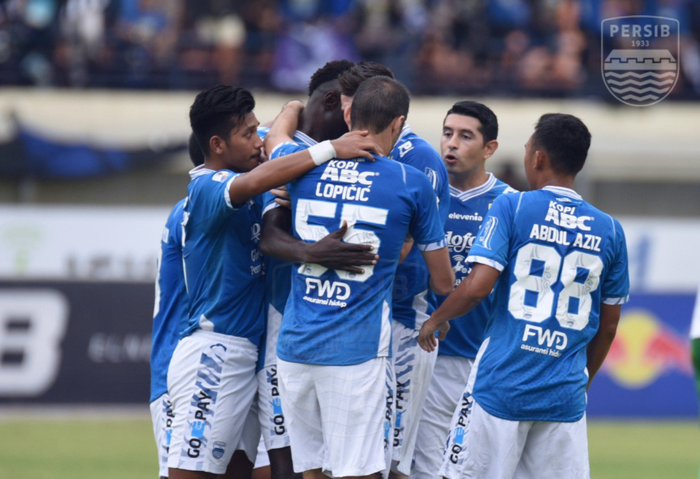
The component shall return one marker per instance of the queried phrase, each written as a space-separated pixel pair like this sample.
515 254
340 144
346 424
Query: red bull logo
644 350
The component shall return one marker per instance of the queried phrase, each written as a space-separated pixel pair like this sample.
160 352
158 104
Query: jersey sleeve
210 199
283 149
424 158
493 240
286 148
268 202
616 284
426 228
174 225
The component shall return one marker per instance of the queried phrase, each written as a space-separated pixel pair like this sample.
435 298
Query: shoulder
286 148
178 210
502 188
263 131
509 199
415 149
208 183
609 221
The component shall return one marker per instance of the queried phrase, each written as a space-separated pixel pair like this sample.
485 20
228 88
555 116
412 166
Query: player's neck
384 141
468 180
562 181
309 128
216 163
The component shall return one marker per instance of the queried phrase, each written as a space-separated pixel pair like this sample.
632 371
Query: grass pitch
117 449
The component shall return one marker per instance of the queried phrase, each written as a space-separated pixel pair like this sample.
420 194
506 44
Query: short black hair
350 80
195 151
565 139
474 109
217 111
329 72
378 101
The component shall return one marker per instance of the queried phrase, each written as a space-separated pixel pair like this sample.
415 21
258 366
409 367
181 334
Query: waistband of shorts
225 339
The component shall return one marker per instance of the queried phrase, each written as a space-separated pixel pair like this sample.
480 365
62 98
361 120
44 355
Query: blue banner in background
648 372
32 154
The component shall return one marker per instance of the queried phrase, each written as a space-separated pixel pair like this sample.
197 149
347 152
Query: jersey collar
560 190
304 138
406 130
474 192
200 170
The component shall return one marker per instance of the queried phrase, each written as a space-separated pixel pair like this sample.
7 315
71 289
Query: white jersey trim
486 261
616 301
406 130
432 246
227 193
299 137
560 190
474 192
284 143
270 207
385 332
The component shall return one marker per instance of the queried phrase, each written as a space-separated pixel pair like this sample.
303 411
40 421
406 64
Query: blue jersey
560 259
170 310
277 273
223 264
340 318
413 302
467 211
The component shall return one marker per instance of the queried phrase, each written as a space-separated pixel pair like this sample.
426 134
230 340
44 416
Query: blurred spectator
513 47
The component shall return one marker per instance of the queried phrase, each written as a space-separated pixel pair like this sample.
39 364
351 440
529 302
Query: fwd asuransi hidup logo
640 56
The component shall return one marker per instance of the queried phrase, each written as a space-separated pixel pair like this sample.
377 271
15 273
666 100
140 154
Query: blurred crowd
503 47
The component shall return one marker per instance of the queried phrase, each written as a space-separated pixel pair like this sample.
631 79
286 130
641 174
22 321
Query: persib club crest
640 57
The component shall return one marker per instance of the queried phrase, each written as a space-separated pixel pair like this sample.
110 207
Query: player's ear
397 124
331 101
490 148
216 144
540 160
346 116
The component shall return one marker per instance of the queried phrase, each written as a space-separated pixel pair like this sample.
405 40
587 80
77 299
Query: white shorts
482 446
211 381
446 388
162 416
339 416
263 459
250 438
272 420
413 368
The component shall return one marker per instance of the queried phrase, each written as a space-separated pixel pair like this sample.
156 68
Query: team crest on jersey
219 450
432 176
221 176
640 56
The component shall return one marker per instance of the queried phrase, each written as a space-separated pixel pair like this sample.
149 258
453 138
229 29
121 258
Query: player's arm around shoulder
283 128
272 174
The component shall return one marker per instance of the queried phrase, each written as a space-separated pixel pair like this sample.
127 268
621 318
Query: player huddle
299 296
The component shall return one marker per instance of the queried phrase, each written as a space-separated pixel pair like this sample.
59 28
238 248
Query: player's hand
331 252
296 105
355 144
282 196
426 336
